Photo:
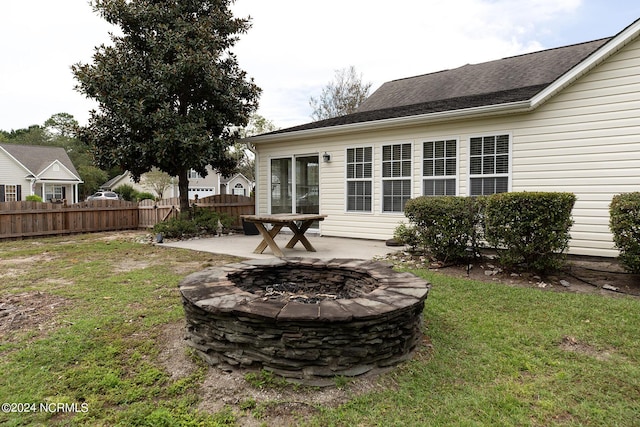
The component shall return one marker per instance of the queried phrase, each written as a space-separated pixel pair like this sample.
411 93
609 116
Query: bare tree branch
341 96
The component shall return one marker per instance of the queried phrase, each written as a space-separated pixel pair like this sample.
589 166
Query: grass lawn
503 356
81 322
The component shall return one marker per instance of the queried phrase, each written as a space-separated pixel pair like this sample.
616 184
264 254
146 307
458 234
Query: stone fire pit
305 319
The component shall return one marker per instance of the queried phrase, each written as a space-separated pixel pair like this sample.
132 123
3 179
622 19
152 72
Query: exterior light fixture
326 157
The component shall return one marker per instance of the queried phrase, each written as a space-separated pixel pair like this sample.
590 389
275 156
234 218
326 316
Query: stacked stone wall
231 323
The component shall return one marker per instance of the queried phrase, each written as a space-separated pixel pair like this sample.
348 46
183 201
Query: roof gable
37 158
56 170
238 176
124 178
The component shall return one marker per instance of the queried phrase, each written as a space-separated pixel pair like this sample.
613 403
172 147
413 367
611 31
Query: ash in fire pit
304 319
305 283
295 292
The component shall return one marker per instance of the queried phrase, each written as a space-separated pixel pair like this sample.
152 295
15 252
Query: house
142 186
210 185
37 170
564 119
238 185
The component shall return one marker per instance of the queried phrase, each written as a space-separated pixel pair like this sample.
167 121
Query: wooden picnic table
281 220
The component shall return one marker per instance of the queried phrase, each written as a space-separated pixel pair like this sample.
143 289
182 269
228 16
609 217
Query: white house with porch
37 170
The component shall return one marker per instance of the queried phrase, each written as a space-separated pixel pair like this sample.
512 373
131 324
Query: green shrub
529 229
443 226
176 228
144 196
126 192
408 235
624 223
34 198
209 221
197 222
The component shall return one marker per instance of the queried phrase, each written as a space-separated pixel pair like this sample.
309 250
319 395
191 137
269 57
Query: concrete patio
326 247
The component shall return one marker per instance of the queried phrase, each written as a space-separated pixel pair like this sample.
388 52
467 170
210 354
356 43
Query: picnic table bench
278 221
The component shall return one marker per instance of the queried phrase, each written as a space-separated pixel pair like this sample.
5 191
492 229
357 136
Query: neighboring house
201 187
122 179
238 185
210 185
37 170
565 119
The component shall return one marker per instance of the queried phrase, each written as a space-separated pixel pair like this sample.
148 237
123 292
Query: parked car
103 195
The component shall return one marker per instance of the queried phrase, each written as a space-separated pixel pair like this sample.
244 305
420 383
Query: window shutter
1 193
18 192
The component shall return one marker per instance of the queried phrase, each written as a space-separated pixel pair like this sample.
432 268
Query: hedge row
624 222
528 229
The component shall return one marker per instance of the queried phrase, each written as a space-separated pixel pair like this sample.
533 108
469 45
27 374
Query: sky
295 47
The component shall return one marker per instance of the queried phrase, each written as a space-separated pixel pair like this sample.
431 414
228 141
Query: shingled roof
36 158
513 79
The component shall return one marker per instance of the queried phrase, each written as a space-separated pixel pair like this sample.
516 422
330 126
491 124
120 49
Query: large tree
62 125
343 95
170 92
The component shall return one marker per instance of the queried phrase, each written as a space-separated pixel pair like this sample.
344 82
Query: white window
439 167
238 190
359 179
396 177
194 175
53 192
10 193
489 164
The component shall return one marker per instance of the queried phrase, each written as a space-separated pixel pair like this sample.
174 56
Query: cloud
39 41
294 47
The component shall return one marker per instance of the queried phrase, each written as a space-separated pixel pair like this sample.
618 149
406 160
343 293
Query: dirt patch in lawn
14 267
274 404
571 344
33 312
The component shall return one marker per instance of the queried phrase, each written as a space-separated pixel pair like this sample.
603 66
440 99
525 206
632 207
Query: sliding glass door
295 185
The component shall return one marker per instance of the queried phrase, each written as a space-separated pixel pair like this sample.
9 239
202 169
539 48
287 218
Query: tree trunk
183 188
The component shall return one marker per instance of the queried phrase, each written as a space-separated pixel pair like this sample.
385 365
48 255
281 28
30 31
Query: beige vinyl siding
10 172
584 140
374 225
13 174
209 181
56 171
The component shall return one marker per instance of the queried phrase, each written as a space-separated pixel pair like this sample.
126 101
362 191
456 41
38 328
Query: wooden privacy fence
151 212
233 205
29 219
230 204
